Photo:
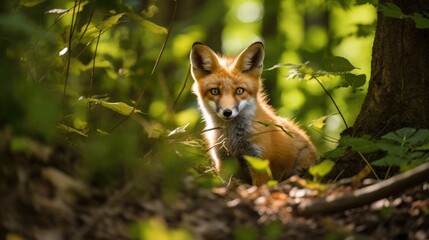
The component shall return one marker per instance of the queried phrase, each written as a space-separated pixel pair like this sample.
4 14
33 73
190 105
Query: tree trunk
274 46
398 93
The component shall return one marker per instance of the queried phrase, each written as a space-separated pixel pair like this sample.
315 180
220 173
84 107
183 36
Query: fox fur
239 120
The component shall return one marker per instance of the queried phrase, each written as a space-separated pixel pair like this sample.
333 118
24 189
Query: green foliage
362 144
75 70
22 24
404 148
332 66
354 81
273 231
155 228
246 232
78 72
118 107
19 144
336 64
320 122
393 11
111 158
261 166
270 231
321 169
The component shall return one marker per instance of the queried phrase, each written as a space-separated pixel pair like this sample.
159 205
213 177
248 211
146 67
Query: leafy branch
393 11
331 66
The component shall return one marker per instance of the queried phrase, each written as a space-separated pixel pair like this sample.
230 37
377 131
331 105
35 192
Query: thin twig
333 101
367 195
183 88
153 70
89 21
170 26
69 53
369 165
91 82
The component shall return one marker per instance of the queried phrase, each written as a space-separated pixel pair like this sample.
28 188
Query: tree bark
398 93
274 46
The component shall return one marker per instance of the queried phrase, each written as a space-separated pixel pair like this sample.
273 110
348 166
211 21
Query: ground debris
45 201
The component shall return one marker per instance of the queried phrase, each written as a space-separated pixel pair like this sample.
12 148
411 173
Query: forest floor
41 199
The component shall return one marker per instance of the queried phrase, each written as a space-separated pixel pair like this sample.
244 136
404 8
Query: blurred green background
72 70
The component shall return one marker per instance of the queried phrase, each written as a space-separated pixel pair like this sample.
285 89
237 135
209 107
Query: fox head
226 86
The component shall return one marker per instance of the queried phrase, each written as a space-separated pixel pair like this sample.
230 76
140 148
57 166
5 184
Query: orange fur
231 98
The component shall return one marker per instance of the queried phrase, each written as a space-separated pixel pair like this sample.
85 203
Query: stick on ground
367 195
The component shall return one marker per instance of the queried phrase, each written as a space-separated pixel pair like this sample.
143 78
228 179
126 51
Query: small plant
321 169
405 148
261 166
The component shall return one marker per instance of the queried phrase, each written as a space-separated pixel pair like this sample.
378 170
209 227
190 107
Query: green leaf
336 64
420 137
321 169
258 164
418 155
272 183
320 122
19 144
424 147
150 12
79 124
400 136
360 144
421 22
119 107
335 153
111 21
153 27
389 160
354 81
72 130
391 10
391 148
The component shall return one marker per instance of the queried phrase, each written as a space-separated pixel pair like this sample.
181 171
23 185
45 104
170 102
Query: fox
238 119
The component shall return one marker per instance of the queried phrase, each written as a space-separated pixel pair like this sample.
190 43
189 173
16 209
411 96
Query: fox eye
215 91
239 91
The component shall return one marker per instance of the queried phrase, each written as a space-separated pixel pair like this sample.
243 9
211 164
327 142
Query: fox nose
227 112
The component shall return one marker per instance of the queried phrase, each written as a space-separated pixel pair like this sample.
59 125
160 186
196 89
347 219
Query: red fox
239 120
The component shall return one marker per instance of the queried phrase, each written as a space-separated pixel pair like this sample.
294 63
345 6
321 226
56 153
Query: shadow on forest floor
41 199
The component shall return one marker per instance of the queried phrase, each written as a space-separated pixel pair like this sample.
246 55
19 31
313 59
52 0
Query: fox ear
203 60
251 59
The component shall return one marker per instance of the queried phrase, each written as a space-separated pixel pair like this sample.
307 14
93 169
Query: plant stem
369 165
332 99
